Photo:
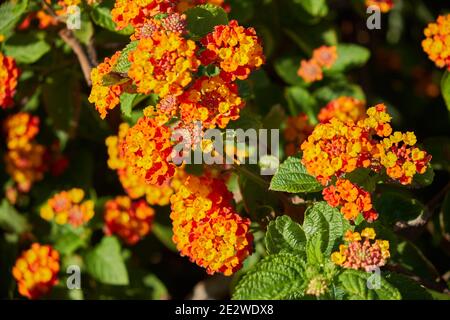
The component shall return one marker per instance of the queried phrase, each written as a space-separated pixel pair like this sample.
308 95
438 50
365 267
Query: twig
73 43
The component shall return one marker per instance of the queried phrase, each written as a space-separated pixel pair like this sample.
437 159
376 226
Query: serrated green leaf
202 19
105 263
300 100
326 221
278 276
314 247
445 88
283 234
408 288
292 177
126 103
123 64
11 220
10 13
26 48
355 283
349 56
101 15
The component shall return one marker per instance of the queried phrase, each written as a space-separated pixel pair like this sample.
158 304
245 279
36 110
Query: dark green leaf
300 100
11 220
26 48
283 234
349 56
201 20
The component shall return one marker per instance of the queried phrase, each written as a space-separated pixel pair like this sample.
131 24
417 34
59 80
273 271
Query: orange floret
9 74
310 71
437 41
343 109
325 56
21 128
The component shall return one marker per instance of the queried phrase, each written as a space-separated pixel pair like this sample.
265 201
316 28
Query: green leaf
316 8
424 179
412 259
314 250
300 100
326 221
68 241
164 234
201 20
112 79
292 177
10 13
87 29
123 64
325 94
365 178
26 48
445 88
394 206
287 67
349 56
355 283
101 15
278 276
105 263
283 234
127 103
408 288
11 220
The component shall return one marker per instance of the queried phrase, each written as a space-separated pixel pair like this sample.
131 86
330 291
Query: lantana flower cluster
297 130
351 199
68 207
206 227
336 148
344 109
36 271
9 74
25 158
130 220
362 251
323 57
437 41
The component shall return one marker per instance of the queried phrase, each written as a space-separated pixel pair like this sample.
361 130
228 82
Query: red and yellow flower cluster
9 73
25 159
68 207
351 199
36 271
437 42
362 254
206 227
337 147
130 220
384 5
323 57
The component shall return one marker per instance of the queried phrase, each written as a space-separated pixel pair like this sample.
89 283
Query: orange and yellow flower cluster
147 149
351 199
337 147
343 109
130 220
25 159
362 251
437 42
135 185
68 207
206 227
36 271
163 64
384 5
323 57
9 73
